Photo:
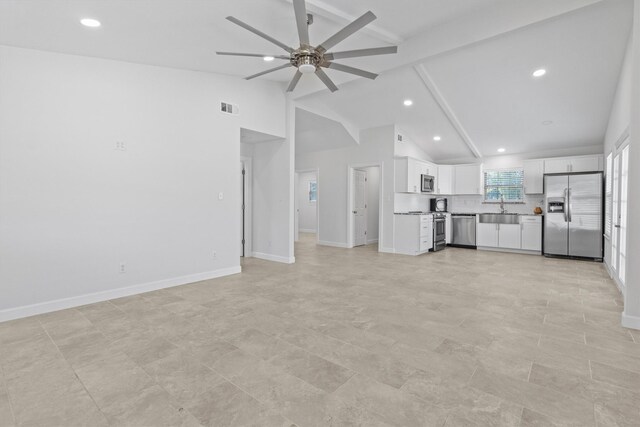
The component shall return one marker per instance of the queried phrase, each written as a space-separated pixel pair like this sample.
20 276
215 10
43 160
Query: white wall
408 148
631 315
307 215
72 208
376 146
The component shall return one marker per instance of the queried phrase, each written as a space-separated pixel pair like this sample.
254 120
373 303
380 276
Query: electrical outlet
120 146
123 267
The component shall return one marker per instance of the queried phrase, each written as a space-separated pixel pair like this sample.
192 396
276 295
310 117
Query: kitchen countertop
413 213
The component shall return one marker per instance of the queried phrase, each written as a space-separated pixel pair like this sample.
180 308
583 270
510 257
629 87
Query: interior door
242 207
620 219
296 207
359 208
585 215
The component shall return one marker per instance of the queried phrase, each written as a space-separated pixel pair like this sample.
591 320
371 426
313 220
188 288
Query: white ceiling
490 87
420 122
478 53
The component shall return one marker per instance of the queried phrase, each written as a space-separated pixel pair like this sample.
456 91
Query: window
608 196
504 183
313 191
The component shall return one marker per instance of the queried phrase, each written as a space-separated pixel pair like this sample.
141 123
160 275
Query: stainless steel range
439 231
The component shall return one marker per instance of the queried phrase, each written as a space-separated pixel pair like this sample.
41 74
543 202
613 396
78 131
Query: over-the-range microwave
427 183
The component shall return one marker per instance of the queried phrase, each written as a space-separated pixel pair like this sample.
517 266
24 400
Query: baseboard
511 251
64 303
369 242
387 250
332 244
306 230
632 322
275 258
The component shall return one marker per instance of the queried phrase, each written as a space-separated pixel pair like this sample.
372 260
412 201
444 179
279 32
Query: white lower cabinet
531 229
487 235
525 236
448 229
413 234
509 236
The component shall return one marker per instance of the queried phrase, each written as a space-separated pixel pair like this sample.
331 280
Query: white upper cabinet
444 183
534 176
587 164
467 179
573 164
407 175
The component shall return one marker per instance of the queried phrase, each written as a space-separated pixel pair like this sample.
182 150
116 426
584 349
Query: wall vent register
228 108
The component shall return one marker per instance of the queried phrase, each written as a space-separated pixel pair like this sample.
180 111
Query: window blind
504 183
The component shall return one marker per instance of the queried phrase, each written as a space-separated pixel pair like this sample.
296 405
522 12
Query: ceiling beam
334 14
446 109
468 30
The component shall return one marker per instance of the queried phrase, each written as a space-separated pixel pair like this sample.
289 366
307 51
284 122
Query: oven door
439 237
427 183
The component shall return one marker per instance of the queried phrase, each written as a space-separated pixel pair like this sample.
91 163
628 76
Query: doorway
306 204
364 205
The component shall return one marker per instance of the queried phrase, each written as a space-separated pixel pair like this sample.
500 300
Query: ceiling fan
312 59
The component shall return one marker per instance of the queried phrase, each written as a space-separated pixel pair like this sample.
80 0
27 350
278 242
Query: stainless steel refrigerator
573 215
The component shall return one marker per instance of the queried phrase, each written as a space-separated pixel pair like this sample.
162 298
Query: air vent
228 108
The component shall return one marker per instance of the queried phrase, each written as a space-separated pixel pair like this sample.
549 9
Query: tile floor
343 337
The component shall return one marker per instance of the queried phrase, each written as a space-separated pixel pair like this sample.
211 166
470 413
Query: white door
296 207
359 208
242 207
619 213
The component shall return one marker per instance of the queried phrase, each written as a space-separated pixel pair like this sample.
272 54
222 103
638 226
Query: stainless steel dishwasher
464 230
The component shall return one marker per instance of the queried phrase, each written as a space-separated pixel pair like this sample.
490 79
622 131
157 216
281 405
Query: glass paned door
619 214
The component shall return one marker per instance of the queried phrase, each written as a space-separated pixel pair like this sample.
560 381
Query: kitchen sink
506 218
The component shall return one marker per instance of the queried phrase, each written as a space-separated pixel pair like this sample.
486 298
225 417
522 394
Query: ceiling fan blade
347 31
294 81
257 55
271 70
350 70
300 10
326 80
259 33
361 52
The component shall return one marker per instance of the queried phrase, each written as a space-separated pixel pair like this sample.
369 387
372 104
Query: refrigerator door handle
566 203
569 202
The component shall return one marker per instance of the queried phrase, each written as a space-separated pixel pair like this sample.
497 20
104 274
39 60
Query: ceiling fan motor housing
306 60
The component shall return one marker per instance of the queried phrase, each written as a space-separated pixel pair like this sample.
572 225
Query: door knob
355 212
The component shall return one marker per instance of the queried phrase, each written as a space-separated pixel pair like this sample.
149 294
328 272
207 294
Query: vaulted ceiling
466 64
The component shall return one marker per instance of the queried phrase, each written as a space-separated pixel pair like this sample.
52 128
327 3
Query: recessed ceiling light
89 22
268 58
436 138
547 122
539 73
408 102
501 150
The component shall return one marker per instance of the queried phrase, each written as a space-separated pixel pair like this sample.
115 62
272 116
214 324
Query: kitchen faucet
502 209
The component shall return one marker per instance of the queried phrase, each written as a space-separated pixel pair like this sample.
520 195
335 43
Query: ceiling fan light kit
308 59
